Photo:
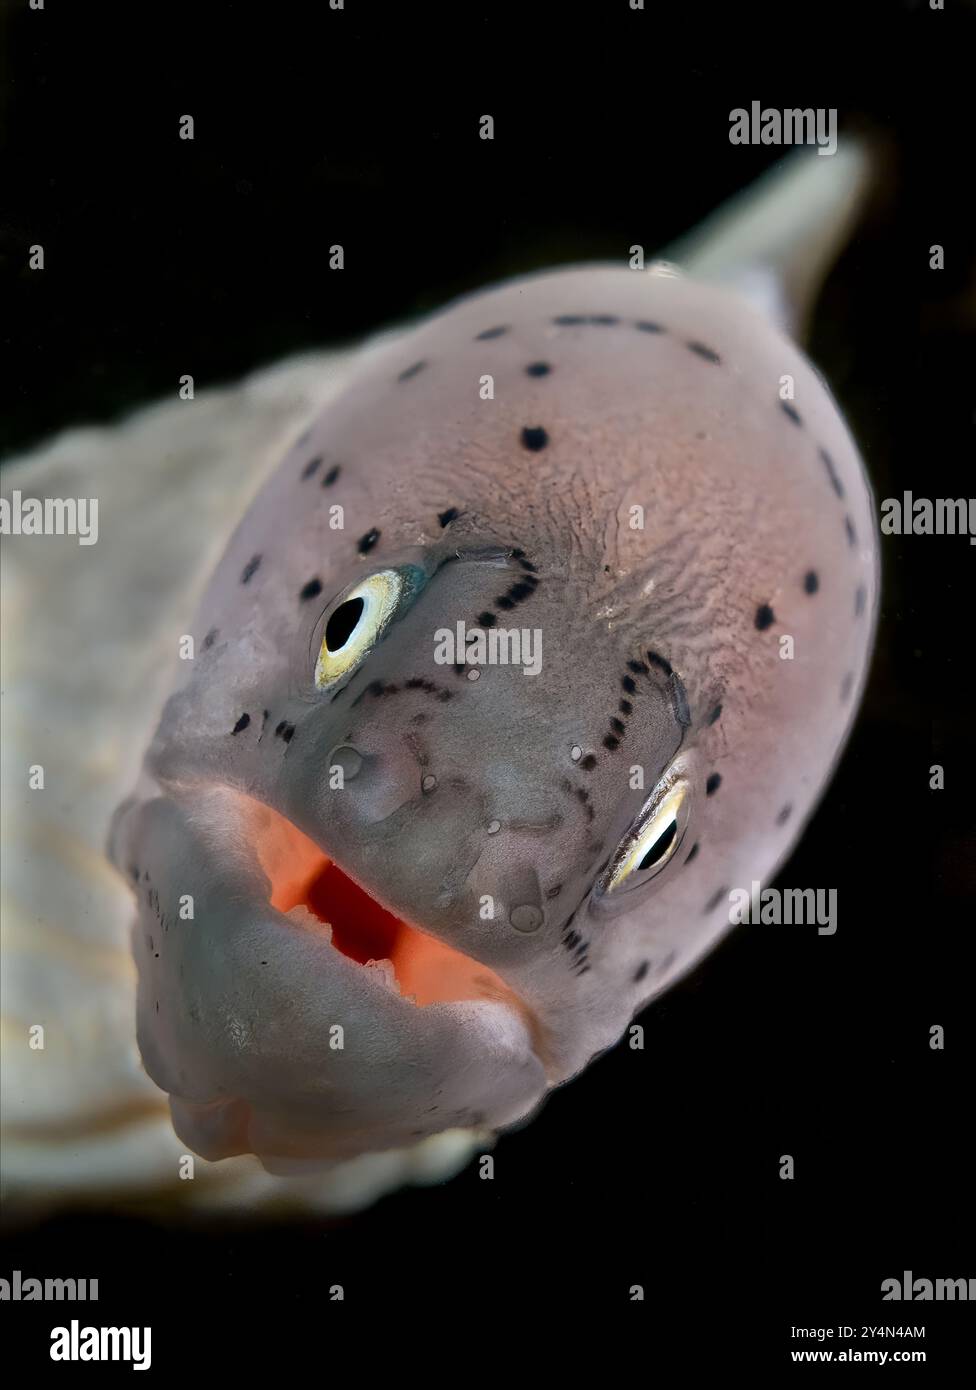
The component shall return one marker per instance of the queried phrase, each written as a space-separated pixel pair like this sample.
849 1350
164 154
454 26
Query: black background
658 1167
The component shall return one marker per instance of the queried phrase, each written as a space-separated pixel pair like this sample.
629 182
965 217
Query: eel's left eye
654 839
356 624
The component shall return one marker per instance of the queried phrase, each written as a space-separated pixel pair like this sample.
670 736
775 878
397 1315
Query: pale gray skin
742 501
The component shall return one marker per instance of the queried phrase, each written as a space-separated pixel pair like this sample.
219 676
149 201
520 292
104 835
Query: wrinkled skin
238 1007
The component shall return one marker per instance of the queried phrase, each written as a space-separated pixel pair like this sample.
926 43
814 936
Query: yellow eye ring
651 846
355 625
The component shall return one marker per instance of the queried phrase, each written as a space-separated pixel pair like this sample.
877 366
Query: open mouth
312 889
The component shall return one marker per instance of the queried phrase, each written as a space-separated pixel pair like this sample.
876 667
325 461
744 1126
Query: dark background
361 127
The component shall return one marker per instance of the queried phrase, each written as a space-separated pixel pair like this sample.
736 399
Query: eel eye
654 838
356 623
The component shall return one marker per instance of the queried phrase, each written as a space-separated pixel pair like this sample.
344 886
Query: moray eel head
465 763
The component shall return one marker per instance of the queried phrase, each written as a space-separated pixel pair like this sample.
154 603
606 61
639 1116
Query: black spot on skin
517 592
486 619
527 565
608 320
210 638
250 568
691 853
860 598
445 518
629 684
835 481
765 617
408 372
715 714
638 668
641 971
311 589
790 412
534 438
285 731
784 815
242 723
713 783
617 725
715 899
311 466
588 763
332 475
659 662
704 352
646 326
569 320
367 542
625 707
491 333
851 533
846 686
810 582
538 369
612 743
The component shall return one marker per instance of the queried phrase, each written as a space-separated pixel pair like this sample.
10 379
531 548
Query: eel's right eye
652 841
356 624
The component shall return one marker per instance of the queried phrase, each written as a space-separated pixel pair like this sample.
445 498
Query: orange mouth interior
427 970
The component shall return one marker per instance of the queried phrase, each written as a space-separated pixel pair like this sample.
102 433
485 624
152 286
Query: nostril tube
526 918
348 759
523 891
